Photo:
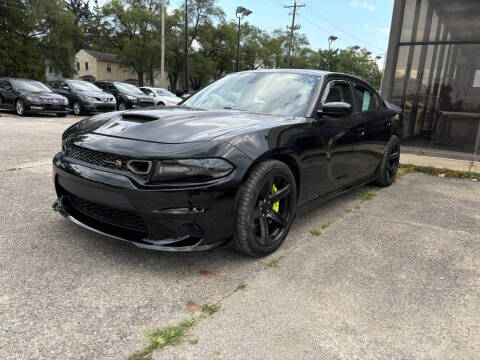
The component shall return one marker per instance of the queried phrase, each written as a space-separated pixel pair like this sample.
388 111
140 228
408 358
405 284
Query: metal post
162 65
187 66
238 46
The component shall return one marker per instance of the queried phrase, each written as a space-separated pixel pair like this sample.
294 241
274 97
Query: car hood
173 124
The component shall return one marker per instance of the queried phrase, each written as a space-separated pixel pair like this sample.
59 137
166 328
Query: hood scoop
138 118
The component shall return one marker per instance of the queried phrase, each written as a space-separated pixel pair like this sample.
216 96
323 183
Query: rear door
370 147
7 93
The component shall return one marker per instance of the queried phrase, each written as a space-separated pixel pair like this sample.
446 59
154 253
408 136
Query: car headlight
33 99
191 169
132 98
88 98
65 100
113 100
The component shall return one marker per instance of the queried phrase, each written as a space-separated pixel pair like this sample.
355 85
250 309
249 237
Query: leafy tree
34 33
134 33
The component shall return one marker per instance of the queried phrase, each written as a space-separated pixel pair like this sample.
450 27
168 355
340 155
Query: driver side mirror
336 109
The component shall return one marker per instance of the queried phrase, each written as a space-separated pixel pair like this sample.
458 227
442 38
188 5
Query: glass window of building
435 74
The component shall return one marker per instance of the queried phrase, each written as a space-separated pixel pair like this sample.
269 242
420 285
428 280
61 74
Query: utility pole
162 65
187 66
292 28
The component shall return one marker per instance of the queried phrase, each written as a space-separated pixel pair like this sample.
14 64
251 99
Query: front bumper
184 219
47 108
99 107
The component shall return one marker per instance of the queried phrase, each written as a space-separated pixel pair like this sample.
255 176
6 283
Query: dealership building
432 72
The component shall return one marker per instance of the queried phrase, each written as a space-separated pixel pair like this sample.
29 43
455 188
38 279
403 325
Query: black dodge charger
234 163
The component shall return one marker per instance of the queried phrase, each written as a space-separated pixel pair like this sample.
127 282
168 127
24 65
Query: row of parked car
62 96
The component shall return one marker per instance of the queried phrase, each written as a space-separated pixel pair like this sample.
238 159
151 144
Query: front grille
123 218
97 158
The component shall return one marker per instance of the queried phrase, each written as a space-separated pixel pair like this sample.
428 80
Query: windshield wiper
230 108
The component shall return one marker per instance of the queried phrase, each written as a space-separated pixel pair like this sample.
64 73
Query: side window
53 84
86 65
101 85
109 68
339 91
78 65
147 91
366 98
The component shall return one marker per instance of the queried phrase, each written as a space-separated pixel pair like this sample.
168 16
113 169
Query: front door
339 135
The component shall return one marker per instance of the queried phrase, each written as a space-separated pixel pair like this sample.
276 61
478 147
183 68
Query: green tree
34 33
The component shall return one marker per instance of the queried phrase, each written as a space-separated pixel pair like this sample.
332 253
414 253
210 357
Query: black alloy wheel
20 107
265 209
389 166
161 104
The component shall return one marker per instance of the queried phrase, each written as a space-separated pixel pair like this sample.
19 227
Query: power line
292 28
318 13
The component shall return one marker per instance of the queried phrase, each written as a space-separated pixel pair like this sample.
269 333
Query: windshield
83 85
30 85
269 93
164 92
128 88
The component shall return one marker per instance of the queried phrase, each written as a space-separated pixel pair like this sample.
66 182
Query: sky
354 22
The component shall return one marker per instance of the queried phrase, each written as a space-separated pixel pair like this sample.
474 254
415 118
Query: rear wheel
20 107
160 104
389 166
265 208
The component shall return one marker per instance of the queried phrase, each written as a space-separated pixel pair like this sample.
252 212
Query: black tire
20 107
77 108
160 104
389 166
264 209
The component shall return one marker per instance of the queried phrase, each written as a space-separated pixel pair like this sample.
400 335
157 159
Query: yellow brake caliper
276 206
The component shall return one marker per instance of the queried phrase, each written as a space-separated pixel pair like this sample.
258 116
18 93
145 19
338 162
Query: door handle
360 132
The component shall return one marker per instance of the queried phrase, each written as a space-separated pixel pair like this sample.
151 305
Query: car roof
15 78
319 73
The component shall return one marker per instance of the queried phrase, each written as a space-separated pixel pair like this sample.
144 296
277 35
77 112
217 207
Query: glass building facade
433 73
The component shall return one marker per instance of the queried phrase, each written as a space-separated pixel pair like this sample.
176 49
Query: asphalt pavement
396 276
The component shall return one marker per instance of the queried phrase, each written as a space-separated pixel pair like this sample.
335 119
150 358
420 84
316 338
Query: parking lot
390 276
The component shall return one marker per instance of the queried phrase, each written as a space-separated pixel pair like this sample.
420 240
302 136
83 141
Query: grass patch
193 341
326 225
368 196
430 170
210 309
216 353
13 169
316 232
357 207
274 263
241 286
159 338
348 211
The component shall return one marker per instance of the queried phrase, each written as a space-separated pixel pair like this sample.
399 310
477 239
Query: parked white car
162 97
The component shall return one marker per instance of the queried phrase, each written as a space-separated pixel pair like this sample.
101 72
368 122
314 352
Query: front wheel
264 209
389 166
20 107
77 108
